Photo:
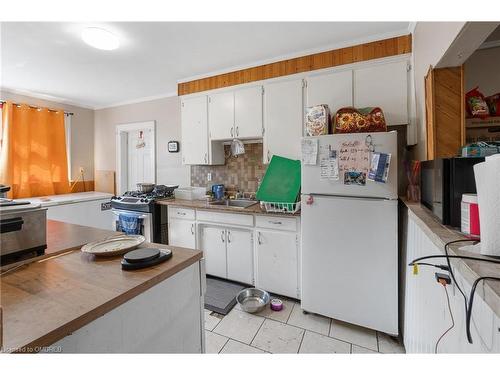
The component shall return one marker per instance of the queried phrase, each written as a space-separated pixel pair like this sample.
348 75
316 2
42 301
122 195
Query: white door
240 255
248 113
283 112
194 145
384 86
213 245
350 260
182 233
277 262
334 89
221 116
140 166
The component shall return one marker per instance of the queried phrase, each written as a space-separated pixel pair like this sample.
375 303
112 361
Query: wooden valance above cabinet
444 111
399 45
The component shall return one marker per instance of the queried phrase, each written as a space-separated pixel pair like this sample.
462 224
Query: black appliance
443 181
152 216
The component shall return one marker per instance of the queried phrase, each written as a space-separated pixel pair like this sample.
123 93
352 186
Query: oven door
146 226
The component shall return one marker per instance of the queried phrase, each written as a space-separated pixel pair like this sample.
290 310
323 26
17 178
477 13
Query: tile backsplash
239 173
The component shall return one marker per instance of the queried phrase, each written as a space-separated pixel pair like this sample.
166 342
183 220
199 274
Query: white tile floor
290 331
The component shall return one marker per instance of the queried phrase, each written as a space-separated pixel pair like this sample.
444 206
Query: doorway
135 155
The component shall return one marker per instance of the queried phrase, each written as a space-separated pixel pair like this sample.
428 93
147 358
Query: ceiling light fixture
100 38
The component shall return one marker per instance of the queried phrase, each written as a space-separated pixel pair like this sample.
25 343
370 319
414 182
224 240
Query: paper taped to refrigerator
354 156
309 148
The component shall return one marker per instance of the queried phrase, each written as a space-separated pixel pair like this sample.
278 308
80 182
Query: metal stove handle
139 215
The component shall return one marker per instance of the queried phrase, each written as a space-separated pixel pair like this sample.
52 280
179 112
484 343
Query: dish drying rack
281 207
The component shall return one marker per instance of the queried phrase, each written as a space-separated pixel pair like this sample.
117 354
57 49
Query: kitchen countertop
46 299
202 205
53 200
440 234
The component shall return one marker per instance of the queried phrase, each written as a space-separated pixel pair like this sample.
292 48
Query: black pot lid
142 255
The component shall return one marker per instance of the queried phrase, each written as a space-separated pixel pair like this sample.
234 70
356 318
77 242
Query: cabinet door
194 127
277 262
182 233
221 116
283 113
384 86
248 113
334 89
213 245
240 255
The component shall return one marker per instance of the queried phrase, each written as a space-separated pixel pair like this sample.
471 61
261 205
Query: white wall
483 69
430 42
82 131
167 114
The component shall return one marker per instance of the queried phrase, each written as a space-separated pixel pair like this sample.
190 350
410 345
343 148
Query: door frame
121 181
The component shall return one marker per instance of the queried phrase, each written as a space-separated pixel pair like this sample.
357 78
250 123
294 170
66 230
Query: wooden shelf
477 123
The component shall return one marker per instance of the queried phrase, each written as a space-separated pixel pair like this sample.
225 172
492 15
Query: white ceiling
51 59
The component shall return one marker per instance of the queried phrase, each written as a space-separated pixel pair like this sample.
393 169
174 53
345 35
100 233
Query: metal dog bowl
253 300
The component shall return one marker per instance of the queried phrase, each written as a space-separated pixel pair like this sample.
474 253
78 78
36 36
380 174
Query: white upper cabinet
235 114
221 115
385 86
283 115
194 146
334 89
248 113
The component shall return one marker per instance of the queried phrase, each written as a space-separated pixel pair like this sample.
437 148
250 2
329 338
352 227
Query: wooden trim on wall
362 52
80 186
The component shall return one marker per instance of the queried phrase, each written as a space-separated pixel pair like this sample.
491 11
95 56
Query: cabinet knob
192 229
228 236
237 131
232 130
222 236
259 239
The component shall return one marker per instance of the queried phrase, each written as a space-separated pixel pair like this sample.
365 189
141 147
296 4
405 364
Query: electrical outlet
81 169
209 176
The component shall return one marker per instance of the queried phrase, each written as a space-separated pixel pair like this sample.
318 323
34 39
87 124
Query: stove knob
120 198
142 199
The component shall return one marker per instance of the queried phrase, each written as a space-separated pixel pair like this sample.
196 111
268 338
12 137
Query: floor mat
221 295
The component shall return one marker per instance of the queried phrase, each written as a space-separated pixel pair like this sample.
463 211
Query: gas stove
140 201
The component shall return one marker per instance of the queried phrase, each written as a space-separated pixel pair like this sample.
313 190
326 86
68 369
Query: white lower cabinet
182 233
277 266
260 250
213 245
228 252
240 255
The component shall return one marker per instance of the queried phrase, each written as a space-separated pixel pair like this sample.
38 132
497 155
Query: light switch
209 176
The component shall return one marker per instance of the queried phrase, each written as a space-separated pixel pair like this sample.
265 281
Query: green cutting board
281 183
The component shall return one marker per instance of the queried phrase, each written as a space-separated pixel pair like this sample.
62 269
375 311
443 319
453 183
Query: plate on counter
112 246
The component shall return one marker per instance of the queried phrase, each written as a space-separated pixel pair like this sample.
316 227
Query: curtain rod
36 107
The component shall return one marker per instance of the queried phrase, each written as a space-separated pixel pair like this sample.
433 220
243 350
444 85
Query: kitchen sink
238 203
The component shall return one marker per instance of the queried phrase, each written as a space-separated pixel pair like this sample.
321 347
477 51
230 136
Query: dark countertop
440 234
202 205
49 297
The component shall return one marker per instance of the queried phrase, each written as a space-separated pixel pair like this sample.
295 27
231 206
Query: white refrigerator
349 238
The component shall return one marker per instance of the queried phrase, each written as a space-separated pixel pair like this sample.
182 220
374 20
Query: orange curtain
33 160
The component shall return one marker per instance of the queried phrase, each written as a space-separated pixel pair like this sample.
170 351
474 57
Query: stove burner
159 192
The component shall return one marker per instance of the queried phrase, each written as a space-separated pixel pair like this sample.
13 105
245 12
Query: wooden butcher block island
69 301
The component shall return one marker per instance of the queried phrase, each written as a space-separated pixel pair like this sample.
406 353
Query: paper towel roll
487 175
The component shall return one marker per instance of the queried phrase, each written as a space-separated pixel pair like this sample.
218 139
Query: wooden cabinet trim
363 52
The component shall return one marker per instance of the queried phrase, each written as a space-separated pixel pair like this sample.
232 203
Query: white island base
167 318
